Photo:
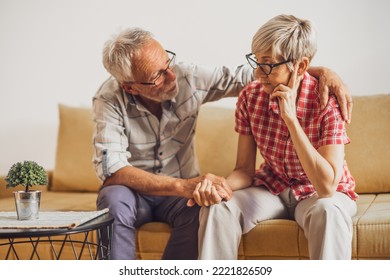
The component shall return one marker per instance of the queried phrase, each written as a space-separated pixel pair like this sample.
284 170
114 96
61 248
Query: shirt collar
133 101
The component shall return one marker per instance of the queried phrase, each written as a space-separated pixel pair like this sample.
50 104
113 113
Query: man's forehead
151 59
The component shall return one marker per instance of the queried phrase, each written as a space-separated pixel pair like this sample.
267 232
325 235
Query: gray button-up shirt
126 133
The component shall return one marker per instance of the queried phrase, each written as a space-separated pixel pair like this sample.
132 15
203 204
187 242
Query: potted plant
27 174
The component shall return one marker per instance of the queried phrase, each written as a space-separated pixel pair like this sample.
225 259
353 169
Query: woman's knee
220 211
328 209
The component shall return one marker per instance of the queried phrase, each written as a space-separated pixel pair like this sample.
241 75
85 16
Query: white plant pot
27 204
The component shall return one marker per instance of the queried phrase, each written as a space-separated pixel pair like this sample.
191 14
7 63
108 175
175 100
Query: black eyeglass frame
153 83
260 65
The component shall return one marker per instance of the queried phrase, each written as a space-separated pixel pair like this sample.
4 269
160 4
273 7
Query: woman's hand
287 96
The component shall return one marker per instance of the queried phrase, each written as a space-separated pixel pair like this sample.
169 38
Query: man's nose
170 75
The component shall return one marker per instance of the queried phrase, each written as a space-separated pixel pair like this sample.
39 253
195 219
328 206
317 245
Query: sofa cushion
275 239
73 166
368 154
151 240
372 228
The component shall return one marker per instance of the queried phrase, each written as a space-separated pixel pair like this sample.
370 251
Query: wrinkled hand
287 96
206 194
210 189
331 82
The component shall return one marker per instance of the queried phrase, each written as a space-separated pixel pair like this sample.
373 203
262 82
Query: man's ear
129 89
303 65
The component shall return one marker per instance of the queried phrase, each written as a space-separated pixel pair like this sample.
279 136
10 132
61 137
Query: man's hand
210 189
329 81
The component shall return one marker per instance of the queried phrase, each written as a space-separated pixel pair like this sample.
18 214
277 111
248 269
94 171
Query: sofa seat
284 239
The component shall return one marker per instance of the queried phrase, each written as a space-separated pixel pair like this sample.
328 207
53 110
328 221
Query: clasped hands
210 189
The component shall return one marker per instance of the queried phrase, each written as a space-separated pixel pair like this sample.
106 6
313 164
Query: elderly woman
304 176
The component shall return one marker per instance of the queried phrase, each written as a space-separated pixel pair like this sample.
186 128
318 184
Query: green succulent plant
26 174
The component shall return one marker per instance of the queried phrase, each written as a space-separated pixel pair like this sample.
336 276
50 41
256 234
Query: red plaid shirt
257 115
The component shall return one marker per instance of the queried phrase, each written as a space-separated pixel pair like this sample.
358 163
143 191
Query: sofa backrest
368 154
216 140
73 169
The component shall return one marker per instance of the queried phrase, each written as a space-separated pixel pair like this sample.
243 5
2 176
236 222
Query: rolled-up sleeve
110 141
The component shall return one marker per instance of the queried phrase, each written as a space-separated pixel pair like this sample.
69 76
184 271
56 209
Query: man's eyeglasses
266 68
158 79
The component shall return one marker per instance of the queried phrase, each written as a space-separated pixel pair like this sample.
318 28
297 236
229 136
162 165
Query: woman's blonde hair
286 36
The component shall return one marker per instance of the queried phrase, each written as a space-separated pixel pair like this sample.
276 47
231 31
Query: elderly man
145 117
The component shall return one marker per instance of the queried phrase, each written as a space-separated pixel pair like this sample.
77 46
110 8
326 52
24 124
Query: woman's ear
303 65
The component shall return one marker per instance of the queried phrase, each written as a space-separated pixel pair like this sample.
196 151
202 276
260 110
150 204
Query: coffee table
90 240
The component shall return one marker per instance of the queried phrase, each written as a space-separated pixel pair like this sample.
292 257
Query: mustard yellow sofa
73 184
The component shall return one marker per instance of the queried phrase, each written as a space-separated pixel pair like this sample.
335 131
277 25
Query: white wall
50 51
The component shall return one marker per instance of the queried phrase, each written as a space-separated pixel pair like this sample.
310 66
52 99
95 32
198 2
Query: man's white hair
120 50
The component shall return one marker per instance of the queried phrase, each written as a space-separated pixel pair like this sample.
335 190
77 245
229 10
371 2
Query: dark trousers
131 210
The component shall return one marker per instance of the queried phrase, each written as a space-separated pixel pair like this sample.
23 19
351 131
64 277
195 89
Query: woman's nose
259 74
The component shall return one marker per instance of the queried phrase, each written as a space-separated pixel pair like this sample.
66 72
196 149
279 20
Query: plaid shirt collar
133 100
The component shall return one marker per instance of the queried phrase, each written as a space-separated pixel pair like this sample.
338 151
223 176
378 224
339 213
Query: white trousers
326 222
